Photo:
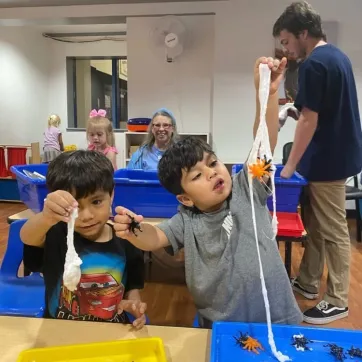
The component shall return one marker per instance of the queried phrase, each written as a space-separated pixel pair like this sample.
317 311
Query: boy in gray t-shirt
214 226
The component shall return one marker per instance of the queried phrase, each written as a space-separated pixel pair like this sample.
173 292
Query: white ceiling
37 3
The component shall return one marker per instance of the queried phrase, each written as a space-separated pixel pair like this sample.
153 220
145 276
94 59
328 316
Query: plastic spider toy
249 343
301 343
134 225
336 351
241 339
261 168
355 352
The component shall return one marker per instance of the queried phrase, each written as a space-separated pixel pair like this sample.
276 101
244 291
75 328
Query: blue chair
19 296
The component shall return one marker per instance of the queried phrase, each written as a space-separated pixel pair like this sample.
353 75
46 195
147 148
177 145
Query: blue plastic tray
32 191
225 349
141 192
287 191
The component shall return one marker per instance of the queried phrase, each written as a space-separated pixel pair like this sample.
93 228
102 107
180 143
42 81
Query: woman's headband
168 112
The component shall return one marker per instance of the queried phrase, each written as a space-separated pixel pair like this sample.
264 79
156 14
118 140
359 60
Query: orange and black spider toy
249 343
261 168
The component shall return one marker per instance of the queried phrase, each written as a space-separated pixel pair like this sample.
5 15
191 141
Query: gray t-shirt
221 261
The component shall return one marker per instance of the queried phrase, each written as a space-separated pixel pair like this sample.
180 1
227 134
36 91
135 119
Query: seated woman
162 133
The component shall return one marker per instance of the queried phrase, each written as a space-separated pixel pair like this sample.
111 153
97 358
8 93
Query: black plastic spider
336 351
301 342
268 162
134 225
242 338
355 352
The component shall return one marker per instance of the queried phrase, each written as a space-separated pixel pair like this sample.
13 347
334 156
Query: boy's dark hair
81 173
297 17
182 155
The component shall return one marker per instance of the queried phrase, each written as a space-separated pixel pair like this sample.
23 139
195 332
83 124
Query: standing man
328 147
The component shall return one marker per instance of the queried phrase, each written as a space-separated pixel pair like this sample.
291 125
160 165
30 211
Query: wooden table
20 215
18 334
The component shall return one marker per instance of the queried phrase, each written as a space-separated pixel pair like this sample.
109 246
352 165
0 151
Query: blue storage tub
225 349
9 190
141 192
287 190
32 191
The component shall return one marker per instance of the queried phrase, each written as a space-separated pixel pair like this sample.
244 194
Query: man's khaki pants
328 239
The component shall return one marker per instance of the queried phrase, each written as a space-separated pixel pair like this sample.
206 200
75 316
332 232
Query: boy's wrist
274 95
45 221
133 294
141 236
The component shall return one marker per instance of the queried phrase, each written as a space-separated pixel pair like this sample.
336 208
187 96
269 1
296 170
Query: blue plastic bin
224 348
9 189
141 192
287 191
32 191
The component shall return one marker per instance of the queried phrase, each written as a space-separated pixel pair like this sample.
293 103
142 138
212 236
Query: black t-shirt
108 270
327 86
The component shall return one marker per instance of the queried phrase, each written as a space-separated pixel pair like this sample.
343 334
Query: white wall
184 86
24 75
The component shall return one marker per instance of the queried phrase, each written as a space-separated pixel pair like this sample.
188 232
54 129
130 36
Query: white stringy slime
260 148
72 264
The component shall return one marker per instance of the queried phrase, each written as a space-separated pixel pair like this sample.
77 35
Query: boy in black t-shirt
112 269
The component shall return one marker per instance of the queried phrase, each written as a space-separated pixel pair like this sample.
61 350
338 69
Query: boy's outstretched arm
149 239
34 230
272 113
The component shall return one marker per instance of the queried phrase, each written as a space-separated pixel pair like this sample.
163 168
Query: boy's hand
123 221
58 206
136 308
277 68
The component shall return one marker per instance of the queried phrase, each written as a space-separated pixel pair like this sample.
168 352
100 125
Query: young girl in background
100 135
53 143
